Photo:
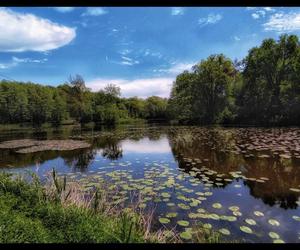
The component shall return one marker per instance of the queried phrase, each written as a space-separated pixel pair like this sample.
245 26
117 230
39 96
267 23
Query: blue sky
141 49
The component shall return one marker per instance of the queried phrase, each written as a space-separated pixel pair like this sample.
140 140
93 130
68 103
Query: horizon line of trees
262 89
37 104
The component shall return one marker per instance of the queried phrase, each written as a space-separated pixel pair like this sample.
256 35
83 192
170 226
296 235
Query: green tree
271 71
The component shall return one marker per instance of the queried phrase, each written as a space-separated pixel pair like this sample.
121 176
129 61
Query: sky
140 49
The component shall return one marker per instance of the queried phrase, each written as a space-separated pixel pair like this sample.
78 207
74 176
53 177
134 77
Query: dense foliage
262 89
37 104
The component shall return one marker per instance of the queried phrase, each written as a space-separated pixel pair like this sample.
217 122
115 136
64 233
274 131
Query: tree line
261 89
38 104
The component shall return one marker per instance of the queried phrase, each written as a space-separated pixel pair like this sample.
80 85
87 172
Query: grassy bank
58 212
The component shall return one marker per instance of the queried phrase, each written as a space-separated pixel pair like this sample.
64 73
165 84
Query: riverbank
26 126
59 212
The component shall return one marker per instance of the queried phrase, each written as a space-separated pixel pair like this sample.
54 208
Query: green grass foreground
31 212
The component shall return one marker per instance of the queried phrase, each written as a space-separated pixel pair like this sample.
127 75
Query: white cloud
250 8
129 63
27 32
260 12
268 9
15 61
94 11
236 38
125 52
281 22
160 86
7 65
64 9
176 11
178 68
126 58
255 15
210 19
28 60
145 87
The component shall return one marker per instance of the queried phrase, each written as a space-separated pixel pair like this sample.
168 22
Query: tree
205 94
271 70
155 107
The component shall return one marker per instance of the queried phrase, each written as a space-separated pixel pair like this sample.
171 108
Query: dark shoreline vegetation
62 212
261 90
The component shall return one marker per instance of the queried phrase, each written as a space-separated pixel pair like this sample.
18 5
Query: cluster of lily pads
181 199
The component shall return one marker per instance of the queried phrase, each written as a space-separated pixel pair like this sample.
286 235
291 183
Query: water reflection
223 150
217 150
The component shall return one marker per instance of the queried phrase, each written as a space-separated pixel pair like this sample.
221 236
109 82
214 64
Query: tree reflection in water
217 150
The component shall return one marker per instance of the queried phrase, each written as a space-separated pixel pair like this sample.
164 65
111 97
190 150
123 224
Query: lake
243 182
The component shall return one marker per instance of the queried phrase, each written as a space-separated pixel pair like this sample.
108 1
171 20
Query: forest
261 89
38 104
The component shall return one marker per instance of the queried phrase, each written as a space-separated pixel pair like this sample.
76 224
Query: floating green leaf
246 229
295 217
274 222
217 205
224 231
278 241
237 213
274 235
258 213
165 195
183 206
234 208
171 215
183 223
164 220
186 235
250 222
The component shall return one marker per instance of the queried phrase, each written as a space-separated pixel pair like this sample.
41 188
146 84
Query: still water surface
244 182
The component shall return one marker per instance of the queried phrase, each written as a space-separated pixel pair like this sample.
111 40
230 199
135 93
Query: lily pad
274 235
234 208
297 218
278 241
217 205
165 195
171 215
164 220
183 223
183 206
224 231
237 213
250 222
186 235
246 229
274 222
258 213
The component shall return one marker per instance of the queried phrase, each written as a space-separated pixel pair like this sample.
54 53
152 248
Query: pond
242 182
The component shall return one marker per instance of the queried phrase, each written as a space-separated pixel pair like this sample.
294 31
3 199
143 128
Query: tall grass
60 211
